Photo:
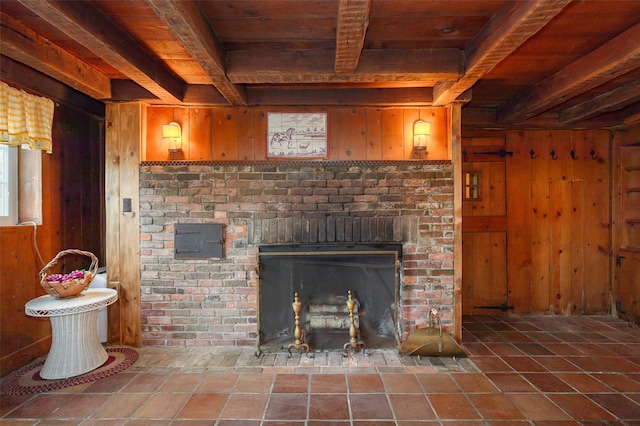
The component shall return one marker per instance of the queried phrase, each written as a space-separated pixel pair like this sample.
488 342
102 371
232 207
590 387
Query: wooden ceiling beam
614 58
614 99
95 31
28 47
186 22
298 97
503 34
426 66
353 20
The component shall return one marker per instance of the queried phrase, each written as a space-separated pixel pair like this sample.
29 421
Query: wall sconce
173 134
421 132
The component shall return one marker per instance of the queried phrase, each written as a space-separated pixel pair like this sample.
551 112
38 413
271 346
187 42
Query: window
20 185
472 186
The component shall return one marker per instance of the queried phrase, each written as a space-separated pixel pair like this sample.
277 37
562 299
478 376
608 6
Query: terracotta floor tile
217 382
523 363
452 406
618 404
514 336
9 403
202 405
245 406
584 382
39 406
291 383
81 406
161 406
154 422
364 383
537 407
401 383
491 364
565 349
556 363
328 383
619 382
510 382
579 406
181 382
495 406
329 407
370 406
541 337
287 406
226 422
477 348
254 383
591 364
473 382
547 382
147 382
411 407
503 348
121 405
437 383
110 384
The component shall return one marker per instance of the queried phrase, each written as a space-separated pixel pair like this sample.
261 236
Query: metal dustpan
432 341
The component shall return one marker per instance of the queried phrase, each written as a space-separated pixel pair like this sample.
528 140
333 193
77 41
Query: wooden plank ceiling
513 64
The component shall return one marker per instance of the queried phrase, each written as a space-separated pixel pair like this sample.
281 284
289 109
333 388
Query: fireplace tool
353 343
299 345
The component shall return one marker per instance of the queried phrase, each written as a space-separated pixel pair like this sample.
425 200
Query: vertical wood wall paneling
197 141
125 126
519 222
373 129
454 122
438 146
224 134
132 118
246 135
392 134
240 134
113 206
597 219
538 145
351 134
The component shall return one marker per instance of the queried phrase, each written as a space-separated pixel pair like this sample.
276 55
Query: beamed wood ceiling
512 64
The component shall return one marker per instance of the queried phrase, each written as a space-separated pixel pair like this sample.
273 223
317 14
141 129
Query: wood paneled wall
72 204
558 220
240 134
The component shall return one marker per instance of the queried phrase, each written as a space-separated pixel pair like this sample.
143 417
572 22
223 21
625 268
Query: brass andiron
299 345
354 343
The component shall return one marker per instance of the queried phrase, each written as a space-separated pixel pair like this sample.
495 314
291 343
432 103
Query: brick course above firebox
214 302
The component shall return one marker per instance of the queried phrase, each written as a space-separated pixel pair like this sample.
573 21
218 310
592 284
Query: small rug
27 380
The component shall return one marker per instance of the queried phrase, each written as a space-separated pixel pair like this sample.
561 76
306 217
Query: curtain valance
25 119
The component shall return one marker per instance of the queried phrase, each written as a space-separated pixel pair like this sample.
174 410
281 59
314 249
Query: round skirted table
75 345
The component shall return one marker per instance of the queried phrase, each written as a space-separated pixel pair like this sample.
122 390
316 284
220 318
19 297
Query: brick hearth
213 302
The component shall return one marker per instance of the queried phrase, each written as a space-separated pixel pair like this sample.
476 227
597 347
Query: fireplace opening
322 276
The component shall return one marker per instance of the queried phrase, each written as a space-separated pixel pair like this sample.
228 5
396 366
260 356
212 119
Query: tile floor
530 370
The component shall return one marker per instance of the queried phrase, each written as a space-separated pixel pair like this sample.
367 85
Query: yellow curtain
25 119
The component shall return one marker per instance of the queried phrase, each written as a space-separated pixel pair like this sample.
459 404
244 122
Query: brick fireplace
212 302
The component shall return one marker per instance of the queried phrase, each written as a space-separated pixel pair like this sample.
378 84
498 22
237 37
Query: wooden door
627 249
484 230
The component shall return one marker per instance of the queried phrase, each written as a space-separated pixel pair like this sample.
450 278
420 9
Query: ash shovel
432 341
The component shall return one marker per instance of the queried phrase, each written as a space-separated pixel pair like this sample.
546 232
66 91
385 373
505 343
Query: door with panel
627 234
484 227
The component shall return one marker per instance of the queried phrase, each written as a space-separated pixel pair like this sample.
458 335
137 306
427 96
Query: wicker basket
69 288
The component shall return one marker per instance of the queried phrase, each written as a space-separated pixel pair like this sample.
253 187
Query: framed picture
296 135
